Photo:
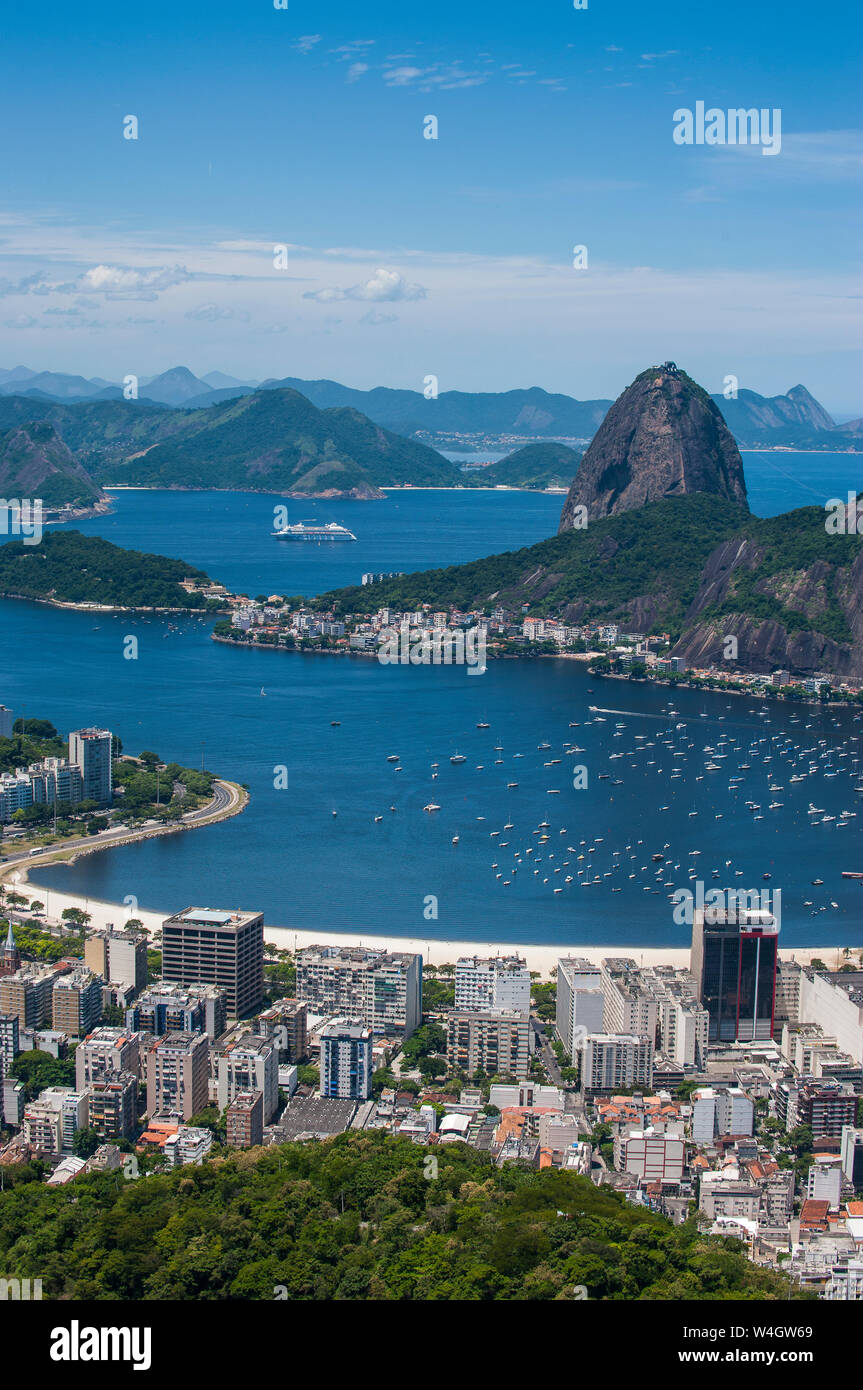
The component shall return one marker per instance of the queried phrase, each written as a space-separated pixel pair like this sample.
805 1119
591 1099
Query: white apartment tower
90 751
580 1002
489 985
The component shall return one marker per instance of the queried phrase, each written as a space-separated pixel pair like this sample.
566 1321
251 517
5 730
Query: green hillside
36 463
69 567
534 466
698 567
357 1219
277 441
658 551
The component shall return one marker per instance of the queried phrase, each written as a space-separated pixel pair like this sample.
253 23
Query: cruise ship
311 531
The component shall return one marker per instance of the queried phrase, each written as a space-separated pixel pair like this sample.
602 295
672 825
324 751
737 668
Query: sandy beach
540 958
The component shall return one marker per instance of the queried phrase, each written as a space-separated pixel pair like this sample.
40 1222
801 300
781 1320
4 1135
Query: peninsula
70 570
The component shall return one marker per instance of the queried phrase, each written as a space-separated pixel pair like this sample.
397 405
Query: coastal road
228 800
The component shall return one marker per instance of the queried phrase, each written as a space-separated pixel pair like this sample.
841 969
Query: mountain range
795 419
270 441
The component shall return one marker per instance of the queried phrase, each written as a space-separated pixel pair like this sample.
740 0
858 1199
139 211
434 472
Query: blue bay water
189 698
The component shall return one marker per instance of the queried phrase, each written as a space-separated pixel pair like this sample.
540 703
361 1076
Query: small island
70 570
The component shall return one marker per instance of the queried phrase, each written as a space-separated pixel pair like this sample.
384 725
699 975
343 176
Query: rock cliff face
664 437
820 594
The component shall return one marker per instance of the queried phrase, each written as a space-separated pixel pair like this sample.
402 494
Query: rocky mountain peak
663 437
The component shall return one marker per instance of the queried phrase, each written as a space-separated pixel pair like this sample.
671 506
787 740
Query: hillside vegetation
277 441
698 567
36 463
598 572
356 1219
534 466
69 567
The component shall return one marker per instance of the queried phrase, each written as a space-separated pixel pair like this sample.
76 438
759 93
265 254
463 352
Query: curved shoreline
106 607
18 870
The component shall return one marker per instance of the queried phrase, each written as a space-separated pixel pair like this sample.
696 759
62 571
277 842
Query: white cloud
126 282
823 157
385 286
403 76
307 42
355 71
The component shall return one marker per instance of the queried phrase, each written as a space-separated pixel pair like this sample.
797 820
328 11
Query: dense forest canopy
357 1218
73 568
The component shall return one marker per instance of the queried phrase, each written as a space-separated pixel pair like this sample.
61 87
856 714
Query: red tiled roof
814 1213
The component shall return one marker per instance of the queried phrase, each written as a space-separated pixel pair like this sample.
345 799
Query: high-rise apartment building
45 783
52 1120
826 1107
90 751
249 1064
824 1180
722 1110
382 989
112 1103
27 994
580 1002
54 780
205 946
245 1120
630 1005
119 957
172 1009
616 1062
682 1022
734 955
187 1146
76 1002
8 1052
499 982
9 1048
346 1060
495 1043
852 1155
177 1075
286 1025
104 1053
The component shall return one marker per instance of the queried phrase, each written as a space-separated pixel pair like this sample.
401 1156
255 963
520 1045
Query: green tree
85 1142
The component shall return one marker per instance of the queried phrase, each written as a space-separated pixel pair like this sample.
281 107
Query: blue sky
409 256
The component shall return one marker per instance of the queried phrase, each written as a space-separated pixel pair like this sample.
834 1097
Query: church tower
11 955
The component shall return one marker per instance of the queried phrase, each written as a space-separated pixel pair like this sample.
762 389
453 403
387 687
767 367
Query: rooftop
317 1117
212 917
